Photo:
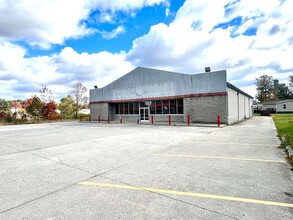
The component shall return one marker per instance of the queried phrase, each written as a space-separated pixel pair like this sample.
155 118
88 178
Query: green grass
284 125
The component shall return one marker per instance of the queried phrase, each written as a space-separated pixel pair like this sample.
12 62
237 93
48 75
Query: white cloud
59 71
191 42
126 5
113 34
45 22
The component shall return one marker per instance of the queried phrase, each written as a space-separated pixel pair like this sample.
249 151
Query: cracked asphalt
72 170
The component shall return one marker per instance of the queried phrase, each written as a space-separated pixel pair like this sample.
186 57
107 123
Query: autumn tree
49 109
34 106
264 88
15 105
46 95
66 107
78 94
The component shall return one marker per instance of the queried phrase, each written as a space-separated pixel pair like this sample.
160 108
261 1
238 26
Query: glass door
144 114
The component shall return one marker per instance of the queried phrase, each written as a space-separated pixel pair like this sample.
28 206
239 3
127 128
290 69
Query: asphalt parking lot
112 171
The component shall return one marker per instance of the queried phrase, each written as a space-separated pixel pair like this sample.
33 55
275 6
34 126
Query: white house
283 106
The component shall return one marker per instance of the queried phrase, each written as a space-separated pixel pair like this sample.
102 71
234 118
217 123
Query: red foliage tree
50 107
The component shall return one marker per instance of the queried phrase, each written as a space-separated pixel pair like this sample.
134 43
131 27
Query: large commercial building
144 93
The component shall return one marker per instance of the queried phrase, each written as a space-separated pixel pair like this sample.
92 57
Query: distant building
283 106
145 92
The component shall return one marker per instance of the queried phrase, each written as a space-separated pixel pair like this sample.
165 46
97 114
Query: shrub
53 116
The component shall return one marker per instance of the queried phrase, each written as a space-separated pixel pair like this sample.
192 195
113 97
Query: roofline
179 73
277 102
229 85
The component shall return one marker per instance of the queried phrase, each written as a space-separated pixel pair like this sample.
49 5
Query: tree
34 106
4 109
50 108
79 96
66 107
284 92
264 88
46 94
291 82
4 105
15 105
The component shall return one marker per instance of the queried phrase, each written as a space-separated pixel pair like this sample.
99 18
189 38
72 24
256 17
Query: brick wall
206 109
99 109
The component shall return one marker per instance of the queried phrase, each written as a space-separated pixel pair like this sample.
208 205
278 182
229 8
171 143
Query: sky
58 43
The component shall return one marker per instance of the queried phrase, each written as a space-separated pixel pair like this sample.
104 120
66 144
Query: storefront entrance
144 114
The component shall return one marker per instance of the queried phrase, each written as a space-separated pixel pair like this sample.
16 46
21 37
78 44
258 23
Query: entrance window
166 107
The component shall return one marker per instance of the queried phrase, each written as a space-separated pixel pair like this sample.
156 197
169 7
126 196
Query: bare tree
46 94
78 93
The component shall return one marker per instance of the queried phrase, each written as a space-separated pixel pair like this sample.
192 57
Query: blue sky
57 43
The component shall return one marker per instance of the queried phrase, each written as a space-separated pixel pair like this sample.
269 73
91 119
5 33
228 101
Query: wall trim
164 97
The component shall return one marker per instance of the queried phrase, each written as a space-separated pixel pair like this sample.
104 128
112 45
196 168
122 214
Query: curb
289 151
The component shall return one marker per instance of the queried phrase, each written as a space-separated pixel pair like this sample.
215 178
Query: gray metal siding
147 83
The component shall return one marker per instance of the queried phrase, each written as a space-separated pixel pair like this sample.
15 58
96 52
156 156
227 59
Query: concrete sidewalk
113 171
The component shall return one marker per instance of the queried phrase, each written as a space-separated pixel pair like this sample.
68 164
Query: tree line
269 89
43 106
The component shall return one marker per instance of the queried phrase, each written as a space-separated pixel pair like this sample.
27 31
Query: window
158 107
117 109
173 106
180 106
131 108
166 107
153 108
284 106
125 108
121 108
136 109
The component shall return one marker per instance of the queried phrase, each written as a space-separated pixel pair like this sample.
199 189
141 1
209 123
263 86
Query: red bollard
90 118
188 119
108 119
99 118
120 119
169 119
219 120
80 118
152 119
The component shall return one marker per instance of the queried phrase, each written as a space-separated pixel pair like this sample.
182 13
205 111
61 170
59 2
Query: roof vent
207 69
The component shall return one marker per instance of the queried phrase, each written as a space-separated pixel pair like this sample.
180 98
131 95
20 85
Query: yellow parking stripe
173 192
223 158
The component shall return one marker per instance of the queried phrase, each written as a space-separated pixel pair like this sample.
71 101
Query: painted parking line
222 158
192 194
231 143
